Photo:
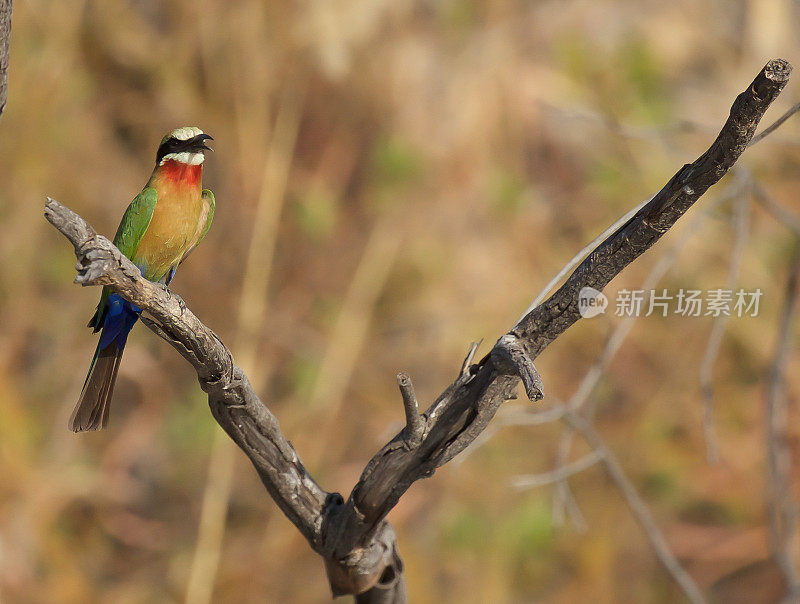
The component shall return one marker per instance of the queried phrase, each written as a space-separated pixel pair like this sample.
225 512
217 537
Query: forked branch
358 546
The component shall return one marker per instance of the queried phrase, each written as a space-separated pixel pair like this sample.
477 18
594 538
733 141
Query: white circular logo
591 302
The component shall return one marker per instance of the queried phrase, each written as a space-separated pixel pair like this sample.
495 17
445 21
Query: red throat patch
180 173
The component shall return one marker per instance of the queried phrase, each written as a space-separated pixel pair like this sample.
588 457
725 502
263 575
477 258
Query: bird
161 227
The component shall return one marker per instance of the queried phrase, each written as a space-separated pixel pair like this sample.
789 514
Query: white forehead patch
184 157
185 133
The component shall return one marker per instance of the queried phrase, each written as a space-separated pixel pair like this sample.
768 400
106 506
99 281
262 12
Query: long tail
117 317
91 412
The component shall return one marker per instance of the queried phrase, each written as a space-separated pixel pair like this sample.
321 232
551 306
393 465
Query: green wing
135 222
129 233
208 196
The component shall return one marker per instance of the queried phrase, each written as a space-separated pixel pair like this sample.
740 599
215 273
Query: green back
129 233
135 222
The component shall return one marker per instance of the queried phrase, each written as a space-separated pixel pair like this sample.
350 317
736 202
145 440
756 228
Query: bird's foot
172 295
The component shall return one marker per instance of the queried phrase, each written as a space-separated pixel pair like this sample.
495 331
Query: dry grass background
415 172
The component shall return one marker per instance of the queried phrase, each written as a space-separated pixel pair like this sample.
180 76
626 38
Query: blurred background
394 179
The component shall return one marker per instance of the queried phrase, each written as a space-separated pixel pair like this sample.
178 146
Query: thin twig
659 135
774 125
415 426
786 217
573 510
558 474
473 348
513 417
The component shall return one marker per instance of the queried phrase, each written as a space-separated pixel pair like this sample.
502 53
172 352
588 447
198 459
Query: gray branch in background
781 505
582 401
5 41
714 345
638 507
775 125
357 544
786 217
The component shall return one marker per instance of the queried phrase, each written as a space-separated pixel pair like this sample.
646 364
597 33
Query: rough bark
358 545
5 40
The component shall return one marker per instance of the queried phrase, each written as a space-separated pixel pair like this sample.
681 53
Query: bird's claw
171 295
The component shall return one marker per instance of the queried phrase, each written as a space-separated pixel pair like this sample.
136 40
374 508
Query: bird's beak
198 143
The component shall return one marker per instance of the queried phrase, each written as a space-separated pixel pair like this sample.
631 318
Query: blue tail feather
120 317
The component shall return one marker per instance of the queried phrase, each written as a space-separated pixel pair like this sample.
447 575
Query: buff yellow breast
178 219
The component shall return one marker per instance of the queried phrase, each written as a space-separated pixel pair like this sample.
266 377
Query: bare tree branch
546 322
358 546
582 253
5 41
466 407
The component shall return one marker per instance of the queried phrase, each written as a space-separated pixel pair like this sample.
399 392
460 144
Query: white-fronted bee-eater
160 228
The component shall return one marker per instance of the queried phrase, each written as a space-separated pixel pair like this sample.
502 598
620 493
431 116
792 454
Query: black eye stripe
172 145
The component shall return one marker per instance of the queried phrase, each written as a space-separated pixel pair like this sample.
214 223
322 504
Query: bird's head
186 145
